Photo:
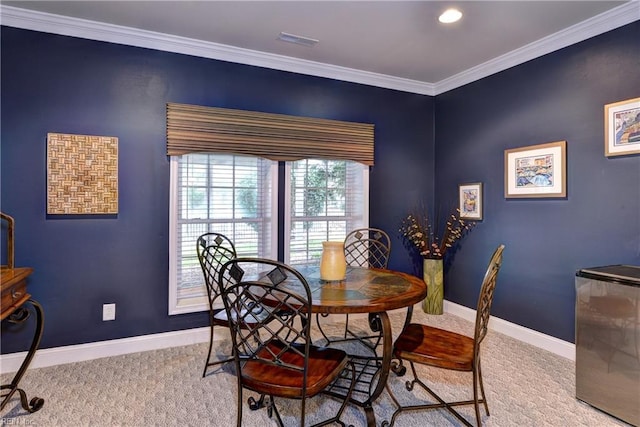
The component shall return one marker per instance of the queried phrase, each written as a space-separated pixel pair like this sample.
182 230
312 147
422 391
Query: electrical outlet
108 312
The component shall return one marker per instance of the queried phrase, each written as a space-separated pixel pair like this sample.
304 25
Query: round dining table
374 292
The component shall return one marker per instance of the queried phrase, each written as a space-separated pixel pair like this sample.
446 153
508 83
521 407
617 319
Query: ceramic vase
333 266
434 278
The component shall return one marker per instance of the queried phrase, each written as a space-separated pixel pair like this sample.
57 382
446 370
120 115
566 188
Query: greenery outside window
326 200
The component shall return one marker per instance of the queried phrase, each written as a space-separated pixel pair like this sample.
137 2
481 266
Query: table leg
379 322
371 371
19 316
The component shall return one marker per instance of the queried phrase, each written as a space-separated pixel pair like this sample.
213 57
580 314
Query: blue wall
62 84
559 96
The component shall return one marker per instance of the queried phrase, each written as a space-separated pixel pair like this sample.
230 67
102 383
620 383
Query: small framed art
622 128
470 205
536 171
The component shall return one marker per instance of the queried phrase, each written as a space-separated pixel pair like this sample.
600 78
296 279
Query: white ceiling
393 43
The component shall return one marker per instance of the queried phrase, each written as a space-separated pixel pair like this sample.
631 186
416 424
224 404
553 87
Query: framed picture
470 205
622 128
536 171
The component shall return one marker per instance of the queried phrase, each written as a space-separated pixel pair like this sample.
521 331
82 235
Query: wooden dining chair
363 247
214 249
275 356
427 345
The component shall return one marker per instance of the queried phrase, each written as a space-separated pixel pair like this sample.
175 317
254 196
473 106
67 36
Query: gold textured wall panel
82 174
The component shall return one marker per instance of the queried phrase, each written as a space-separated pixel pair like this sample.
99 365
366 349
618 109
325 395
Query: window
237 196
221 182
327 198
223 193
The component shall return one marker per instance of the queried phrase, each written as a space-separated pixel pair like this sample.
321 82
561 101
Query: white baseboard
535 338
96 350
81 352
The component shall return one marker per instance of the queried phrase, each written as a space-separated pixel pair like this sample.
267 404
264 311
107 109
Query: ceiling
399 41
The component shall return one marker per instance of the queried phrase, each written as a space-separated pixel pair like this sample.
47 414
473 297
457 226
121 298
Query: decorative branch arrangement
424 235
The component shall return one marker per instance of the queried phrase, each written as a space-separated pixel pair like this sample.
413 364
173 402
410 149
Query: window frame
287 203
201 303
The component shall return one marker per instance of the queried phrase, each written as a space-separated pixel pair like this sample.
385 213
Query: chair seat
257 315
325 364
435 347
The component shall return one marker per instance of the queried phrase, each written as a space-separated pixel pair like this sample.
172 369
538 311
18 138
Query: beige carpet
525 386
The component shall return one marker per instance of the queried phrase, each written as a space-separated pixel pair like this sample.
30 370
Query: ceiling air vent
292 38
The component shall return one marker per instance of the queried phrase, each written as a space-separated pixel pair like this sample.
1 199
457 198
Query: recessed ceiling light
292 38
450 15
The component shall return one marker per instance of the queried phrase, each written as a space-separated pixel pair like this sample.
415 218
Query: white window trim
202 304
173 241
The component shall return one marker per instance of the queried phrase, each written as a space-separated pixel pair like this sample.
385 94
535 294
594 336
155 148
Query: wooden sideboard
14 308
14 290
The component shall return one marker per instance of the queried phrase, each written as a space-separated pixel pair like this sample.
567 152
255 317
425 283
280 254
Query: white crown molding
81 28
614 18
56 24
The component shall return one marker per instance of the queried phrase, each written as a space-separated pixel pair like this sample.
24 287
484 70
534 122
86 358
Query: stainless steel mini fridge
608 340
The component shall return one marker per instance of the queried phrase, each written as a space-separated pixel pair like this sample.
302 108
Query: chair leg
398 368
209 363
346 325
484 397
206 365
273 409
476 406
239 403
441 403
345 400
254 404
397 412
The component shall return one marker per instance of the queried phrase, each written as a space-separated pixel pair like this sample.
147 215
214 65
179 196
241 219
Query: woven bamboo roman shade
196 129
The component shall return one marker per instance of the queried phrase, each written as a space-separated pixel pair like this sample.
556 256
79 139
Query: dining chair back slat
214 250
368 248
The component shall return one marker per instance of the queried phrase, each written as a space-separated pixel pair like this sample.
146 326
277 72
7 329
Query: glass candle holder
333 266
